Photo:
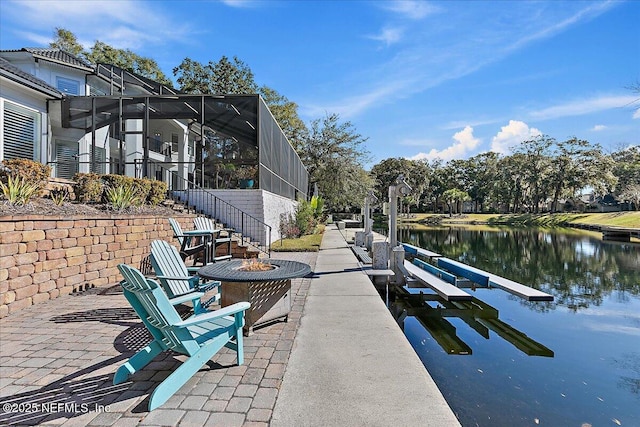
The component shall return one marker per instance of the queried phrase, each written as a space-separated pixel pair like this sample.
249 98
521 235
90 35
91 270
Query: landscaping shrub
122 197
18 191
88 187
157 192
305 218
142 186
59 194
34 173
115 181
288 228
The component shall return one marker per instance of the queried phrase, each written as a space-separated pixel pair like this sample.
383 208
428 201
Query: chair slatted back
166 261
203 223
177 230
153 307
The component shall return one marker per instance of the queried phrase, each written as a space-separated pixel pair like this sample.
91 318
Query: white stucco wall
260 204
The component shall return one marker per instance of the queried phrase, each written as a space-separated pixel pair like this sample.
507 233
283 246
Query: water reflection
592 327
432 310
575 266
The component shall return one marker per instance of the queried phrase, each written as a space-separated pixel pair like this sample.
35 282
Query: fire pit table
268 291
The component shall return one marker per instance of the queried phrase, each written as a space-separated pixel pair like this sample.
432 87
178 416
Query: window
174 142
72 87
21 132
101 159
66 160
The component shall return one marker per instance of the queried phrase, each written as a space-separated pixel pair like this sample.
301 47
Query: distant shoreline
627 219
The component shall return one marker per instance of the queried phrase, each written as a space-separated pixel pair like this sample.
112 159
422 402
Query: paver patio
57 361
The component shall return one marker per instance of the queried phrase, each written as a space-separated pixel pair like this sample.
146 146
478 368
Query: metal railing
248 229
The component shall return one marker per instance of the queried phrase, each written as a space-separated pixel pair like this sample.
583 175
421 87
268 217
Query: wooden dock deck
619 234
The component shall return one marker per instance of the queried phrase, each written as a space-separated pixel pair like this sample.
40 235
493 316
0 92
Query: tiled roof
56 55
12 72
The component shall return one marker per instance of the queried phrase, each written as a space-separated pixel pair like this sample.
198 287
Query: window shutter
20 132
66 159
101 158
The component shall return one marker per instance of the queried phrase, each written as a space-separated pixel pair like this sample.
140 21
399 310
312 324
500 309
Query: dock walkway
351 364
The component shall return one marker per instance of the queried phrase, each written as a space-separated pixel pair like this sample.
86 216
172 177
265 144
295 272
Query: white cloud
86 19
388 36
512 134
240 3
583 106
636 114
598 128
416 10
464 143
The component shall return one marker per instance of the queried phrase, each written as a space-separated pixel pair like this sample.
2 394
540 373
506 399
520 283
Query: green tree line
539 174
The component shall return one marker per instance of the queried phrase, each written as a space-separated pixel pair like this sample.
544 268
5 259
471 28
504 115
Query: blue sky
439 79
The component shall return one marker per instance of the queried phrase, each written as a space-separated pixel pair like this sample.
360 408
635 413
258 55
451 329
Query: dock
619 234
485 278
446 290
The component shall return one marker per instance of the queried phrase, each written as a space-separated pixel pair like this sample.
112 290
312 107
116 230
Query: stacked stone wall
43 257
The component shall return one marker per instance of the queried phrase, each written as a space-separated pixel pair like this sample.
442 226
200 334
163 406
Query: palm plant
18 191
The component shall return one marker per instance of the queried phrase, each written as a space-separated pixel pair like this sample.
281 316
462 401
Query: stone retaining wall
44 257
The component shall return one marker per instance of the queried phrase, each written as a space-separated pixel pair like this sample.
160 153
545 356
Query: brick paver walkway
57 361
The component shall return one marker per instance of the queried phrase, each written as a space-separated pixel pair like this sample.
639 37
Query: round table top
228 271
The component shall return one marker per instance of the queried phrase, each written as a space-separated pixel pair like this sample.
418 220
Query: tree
626 166
482 172
454 197
537 153
416 174
333 155
632 193
509 189
573 167
67 41
222 77
103 53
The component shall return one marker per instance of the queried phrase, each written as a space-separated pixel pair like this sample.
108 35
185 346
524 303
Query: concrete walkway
340 360
351 364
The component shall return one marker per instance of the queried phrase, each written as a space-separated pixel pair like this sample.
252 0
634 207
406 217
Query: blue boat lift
443 278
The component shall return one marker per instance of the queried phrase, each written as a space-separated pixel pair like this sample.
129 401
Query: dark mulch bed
48 208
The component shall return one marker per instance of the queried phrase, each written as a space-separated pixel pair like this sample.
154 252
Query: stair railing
248 229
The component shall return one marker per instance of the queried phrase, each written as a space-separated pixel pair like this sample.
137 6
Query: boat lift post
399 189
368 229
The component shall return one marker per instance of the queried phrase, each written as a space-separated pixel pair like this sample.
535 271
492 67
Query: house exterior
76 117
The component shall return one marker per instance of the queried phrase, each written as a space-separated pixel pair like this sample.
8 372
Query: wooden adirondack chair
200 337
206 224
177 279
192 243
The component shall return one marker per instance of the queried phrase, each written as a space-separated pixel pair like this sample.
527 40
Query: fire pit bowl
268 291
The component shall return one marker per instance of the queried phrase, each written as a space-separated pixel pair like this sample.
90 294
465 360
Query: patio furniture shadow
81 392
317 274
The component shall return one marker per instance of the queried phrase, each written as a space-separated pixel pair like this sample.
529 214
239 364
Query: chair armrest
212 315
192 233
207 286
186 298
177 277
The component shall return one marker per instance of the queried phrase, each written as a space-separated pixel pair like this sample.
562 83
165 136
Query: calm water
585 364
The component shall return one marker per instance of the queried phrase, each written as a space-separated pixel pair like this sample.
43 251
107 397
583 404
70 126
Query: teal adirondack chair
207 224
177 279
192 243
200 336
